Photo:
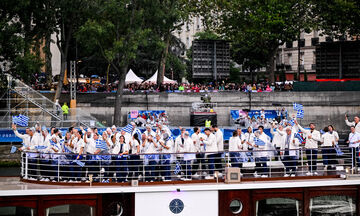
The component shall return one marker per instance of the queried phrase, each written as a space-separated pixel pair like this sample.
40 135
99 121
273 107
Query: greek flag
40 147
52 143
138 132
299 137
177 168
81 164
258 142
128 128
101 144
21 120
298 106
291 122
338 150
67 150
13 149
300 114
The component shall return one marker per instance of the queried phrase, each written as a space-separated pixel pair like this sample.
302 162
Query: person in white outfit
190 156
289 151
278 138
328 141
249 142
311 146
235 146
211 149
354 123
220 143
200 155
354 142
261 156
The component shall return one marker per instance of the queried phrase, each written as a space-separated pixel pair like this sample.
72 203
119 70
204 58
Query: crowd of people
120 153
183 87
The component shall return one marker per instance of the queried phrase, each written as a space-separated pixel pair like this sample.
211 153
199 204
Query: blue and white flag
300 114
128 128
258 142
291 122
101 144
81 164
66 149
299 137
177 168
338 150
298 106
21 120
13 149
40 147
52 143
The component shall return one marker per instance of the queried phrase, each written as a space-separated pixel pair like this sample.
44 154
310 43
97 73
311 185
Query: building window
197 23
301 42
289 44
187 42
289 59
187 27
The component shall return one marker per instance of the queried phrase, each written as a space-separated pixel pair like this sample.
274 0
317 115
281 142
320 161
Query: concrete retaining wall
323 108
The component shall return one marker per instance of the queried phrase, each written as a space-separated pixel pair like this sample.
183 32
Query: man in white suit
289 151
355 123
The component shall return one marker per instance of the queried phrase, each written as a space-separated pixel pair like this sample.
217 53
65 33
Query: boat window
278 206
236 206
332 205
70 210
17 211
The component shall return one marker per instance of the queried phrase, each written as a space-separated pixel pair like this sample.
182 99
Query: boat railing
253 164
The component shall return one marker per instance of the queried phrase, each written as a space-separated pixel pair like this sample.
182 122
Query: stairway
35 98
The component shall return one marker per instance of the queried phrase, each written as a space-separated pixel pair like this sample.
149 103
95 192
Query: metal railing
108 168
76 117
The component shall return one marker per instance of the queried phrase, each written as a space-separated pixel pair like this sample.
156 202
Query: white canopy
132 78
153 79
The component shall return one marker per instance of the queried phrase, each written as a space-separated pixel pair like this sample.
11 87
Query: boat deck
13 186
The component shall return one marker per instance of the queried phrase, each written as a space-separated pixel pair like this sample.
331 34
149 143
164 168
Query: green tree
164 17
338 18
69 16
116 29
17 42
256 28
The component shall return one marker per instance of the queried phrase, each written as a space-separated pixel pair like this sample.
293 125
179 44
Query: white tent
153 79
132 78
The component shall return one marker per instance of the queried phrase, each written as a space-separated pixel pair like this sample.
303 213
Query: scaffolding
22 99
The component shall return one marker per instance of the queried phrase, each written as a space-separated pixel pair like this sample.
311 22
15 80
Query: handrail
60 167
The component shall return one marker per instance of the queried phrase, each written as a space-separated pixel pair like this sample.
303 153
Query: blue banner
147 113
269 114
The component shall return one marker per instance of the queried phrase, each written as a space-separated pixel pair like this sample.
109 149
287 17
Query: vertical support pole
214 59
58 169
26 166
72 84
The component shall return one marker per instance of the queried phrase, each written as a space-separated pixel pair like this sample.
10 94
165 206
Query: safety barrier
108 168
